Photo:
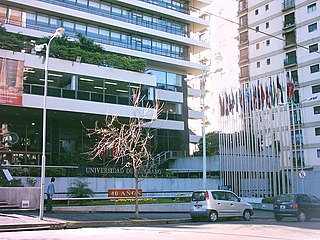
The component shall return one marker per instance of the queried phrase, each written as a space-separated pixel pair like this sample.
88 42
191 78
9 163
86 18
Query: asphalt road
229 229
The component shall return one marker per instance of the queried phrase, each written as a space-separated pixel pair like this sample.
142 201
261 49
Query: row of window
313 68
113 37
176 5
288 3
64 85
125 14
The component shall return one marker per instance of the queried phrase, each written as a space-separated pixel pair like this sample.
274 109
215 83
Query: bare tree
128 141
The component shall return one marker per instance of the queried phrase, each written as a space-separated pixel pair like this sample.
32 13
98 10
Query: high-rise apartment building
171 36
279 61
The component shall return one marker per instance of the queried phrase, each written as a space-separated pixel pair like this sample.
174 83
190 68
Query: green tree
212 144
80 190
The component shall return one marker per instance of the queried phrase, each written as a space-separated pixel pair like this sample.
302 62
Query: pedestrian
50 193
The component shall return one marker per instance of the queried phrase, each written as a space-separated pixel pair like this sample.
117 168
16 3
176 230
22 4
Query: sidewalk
29 220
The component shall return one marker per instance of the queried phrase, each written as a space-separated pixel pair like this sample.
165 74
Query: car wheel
278 218
301 217
213 216
246 215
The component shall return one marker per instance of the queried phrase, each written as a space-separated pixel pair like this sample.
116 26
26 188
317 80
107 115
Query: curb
75 224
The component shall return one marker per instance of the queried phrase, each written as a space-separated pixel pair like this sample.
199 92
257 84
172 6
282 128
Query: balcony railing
288 4
290 61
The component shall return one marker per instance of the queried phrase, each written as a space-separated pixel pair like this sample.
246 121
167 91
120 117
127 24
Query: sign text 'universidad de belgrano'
114 171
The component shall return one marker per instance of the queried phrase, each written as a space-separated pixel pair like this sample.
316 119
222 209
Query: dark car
300 206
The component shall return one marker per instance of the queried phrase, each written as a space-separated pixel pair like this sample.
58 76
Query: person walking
50 193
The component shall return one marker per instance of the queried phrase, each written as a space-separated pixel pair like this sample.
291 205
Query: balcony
290 40
288 4
243 6
290 61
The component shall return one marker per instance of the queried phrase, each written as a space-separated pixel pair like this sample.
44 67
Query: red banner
123 192
11 81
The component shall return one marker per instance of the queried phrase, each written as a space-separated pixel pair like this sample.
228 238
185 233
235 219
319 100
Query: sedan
303 207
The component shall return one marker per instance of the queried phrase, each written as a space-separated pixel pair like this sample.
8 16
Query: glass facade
97 33
130 15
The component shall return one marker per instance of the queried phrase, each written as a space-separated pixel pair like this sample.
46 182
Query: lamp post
59 32
204 150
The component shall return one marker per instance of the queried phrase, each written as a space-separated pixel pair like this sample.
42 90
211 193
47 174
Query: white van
214 204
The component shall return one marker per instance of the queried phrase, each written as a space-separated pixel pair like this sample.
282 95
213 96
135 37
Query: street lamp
204 150
59 32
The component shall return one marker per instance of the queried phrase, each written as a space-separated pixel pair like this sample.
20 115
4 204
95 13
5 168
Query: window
316 110
257 46
315 89
314 68
42 20
82 2
268 61
256 12
312 8
312 27
257 28
266 7
318 153
94 4
317 131
313 48
80 28
258 64
267 24
268 42
243 21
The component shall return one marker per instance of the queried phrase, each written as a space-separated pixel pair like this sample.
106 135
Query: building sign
11 81
123 192
116 171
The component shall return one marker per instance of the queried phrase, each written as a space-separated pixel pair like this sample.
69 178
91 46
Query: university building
170 36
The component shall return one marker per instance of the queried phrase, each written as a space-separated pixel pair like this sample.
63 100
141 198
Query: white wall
147 185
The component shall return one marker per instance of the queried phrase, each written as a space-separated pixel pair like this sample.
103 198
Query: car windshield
198 196
286 198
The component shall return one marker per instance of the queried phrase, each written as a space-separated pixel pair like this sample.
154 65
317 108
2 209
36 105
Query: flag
231 101
227 104
268 100
279 93
240 98
221 106
237 102
262 95
290 90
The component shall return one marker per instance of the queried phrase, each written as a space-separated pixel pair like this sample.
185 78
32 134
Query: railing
138 21
162 157
182 53
288 4
79 95
290 61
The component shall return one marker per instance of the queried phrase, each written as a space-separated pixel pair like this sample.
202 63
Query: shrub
270 199
80 190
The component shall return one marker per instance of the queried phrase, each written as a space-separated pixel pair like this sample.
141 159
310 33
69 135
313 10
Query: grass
120 201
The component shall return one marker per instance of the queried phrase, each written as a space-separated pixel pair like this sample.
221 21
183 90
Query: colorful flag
279 94
268 100
221 106
227 104
262 96
290 90
237 102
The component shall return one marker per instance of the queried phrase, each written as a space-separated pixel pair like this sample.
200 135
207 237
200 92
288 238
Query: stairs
163 157
5 207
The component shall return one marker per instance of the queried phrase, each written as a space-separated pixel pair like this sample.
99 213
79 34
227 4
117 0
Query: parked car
300 206
215 204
